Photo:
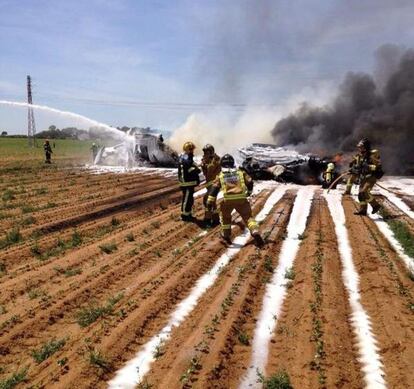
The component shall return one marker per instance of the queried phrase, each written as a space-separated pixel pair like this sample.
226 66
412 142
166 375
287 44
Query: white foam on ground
100 169
361 323
387 232
276 288
132 373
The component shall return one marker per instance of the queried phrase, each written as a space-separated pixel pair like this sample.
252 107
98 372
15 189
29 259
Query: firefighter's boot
362 211
215 220
375 207
226 236
258 240
187 218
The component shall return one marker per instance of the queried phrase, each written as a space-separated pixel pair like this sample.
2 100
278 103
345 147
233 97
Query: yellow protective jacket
328 173
187 171
372 159
236 184
210 167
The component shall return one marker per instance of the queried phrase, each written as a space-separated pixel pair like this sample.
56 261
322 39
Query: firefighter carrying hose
365 167
210 165
188 177
236 185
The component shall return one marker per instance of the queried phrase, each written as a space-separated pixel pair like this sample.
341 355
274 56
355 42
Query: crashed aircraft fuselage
269 162
139 149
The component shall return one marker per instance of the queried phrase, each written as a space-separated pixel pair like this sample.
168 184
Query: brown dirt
211 332
48 278
294 346
396 214
386 294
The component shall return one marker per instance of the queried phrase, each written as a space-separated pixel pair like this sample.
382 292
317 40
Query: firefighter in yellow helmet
211 167
236 185
328 175
366 167
188 177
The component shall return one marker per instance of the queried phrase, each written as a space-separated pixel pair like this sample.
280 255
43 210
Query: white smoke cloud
227 131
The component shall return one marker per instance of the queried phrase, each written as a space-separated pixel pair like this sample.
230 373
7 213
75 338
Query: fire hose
389 190
333 183
268 233
346 173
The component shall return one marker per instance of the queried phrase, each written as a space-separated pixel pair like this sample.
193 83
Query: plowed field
102 285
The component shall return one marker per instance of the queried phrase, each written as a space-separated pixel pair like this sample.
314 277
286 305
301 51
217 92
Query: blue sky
131 62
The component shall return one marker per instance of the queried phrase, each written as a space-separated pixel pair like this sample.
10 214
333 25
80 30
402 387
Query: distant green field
17 149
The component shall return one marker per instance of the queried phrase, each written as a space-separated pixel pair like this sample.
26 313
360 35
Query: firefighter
328 175
366 167
210 165
353 173
94 149
188 177
247 165
236 185
48 151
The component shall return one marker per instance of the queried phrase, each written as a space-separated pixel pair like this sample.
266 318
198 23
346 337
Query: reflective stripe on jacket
236 184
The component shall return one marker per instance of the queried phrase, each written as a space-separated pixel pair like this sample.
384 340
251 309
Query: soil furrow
386 294
184 273
212 333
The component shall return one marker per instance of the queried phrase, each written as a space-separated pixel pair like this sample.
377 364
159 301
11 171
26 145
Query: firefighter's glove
365 168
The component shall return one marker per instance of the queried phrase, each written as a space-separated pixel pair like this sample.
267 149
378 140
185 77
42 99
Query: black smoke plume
380 108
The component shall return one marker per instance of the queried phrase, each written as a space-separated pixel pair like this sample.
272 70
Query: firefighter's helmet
188 147
364 143
208 148
227 161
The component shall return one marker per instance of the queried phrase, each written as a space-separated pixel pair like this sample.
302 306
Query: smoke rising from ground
224 132
380 107
228 130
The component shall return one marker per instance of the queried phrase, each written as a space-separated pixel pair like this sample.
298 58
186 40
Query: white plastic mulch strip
399 203
276 288
133 372
400 183
361 323
387 232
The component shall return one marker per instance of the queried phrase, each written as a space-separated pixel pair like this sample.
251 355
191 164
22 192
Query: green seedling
47 350
108 248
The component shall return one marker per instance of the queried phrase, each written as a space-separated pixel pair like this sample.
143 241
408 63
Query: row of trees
75 133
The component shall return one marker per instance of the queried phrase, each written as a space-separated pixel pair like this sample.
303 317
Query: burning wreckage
261 161
139 149
269 162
